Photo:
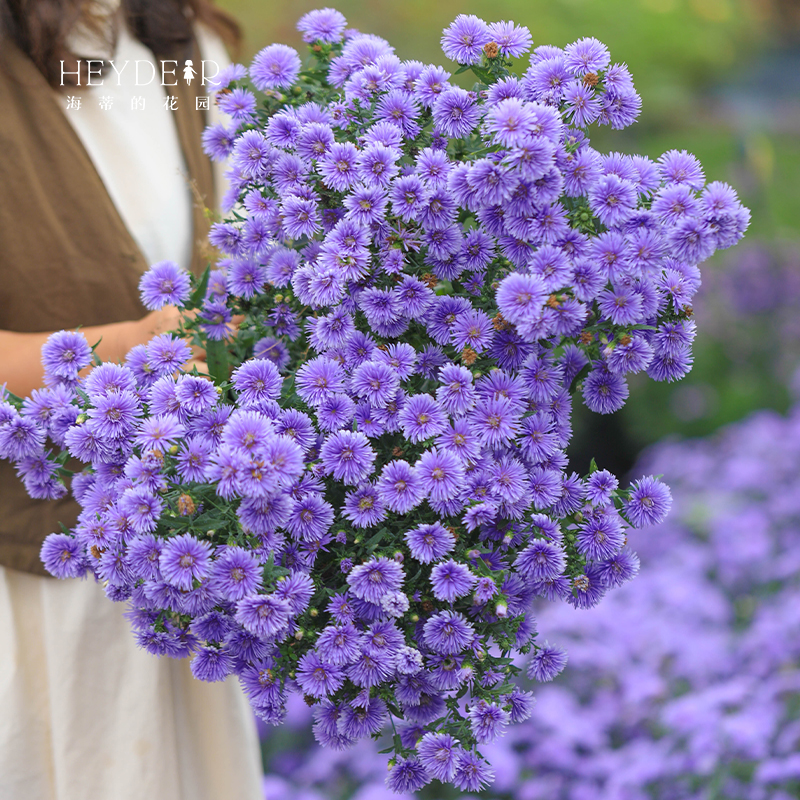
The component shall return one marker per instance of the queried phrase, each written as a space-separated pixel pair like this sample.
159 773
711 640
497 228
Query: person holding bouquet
101 175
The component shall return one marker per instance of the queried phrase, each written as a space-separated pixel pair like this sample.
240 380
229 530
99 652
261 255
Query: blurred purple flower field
685 684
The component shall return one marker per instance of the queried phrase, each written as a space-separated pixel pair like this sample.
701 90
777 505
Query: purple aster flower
255 381
375 382
455 113
441 474
238 104
388 415
509 122
212 664
318 379
366 205
315 140
235 573
358 721
164 283
604 392
195 395
487 721
430 360
581 172
335 412
339 644
300 217
253 155
678 166
621 567
318 678
167 353
692 240
437 752
275 67
322 25
366 421
341 608
142 508
674 337
63 556
264 615
407 775
582 105
310 519
400 108
541 561
674 202
431 82
363 507
612 200
670 365
632 356
546 663
622 305
443 314
115 415
512 40
473 329
338 167
371 669
348 456
400 357
457 394
377 577
588 589
377 165
649 502
586 55
144 552
422 418
399 487
218 142
283 263
226 237
537 440
325 727
183 560
433 167
463 41
472 772
271 349
451 580
65 354
520 297
600 537
600 487
408 195
448 633
297 426
496 420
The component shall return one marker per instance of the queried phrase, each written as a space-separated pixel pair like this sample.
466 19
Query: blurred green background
718 78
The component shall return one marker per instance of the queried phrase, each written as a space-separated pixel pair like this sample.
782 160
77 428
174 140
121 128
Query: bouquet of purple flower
365 501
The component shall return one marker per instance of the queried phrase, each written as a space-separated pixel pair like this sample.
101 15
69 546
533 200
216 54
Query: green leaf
199 292
217 361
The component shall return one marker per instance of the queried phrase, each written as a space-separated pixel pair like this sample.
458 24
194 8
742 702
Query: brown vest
66 257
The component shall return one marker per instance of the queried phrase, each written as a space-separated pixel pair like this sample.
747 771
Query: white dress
84 713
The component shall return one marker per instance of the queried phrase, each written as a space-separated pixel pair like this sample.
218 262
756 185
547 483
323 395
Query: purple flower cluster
681 683
365 504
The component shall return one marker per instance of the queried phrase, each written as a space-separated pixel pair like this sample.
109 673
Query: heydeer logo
141 72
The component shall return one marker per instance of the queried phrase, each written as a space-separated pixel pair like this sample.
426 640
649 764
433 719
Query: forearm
20 353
